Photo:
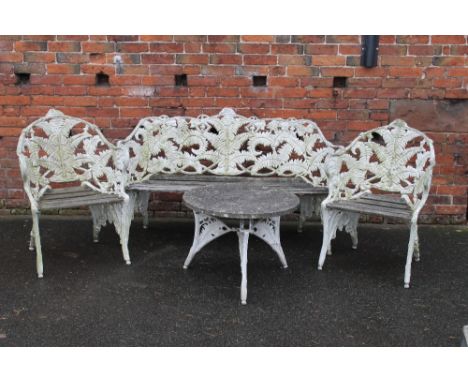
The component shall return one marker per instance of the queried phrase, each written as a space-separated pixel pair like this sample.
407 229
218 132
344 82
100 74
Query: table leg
243 244
207 228
269 231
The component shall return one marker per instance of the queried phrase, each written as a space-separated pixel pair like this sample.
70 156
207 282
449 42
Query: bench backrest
394 158
62 149
227 144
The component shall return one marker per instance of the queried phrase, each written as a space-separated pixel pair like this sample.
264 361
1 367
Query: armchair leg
37 243
409 257
417 254
31 240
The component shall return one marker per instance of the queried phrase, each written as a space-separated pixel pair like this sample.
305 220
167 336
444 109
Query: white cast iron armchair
393 159
66 162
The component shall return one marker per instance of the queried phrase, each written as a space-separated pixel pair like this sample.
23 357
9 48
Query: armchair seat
72 197
382 205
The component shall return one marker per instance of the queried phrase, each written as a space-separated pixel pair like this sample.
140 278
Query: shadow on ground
89 297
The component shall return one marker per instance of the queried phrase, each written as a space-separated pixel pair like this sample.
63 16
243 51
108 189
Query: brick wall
423 79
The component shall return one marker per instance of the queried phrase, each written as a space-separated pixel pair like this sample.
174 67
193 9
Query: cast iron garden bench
176 154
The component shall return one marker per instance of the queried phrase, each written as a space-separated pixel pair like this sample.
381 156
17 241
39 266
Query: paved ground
90 297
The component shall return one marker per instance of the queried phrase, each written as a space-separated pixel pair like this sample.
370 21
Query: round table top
241 201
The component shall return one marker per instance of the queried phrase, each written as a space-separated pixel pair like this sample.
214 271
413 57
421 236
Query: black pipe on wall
369 51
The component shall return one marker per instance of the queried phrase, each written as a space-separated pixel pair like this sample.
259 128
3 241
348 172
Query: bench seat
185 182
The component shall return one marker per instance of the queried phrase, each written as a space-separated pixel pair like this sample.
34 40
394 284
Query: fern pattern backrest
227 144
394 158
62 149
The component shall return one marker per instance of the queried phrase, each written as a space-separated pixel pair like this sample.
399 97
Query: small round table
257 208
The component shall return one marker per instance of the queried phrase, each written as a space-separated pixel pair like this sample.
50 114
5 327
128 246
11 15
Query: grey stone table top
241 201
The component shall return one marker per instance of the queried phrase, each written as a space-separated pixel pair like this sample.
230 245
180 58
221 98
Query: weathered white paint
394 158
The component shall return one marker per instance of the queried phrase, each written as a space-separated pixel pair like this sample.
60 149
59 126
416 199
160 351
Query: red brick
290 92
322 49
362 125
370 72
337 72
225 38
237 81
328 60
300 71
286 49
39 57
424 50
405 72
457 72
417 39
6 46
222 92
449 61
344 39
397 61
257 59
73 38
451 190
155 38
283 82
254 48
359 93
293 60
392 50
320 93
192 47
220 48
349 49
47 100
10 131
132 47
447 83
28 46
193 38
225 59
448 39
61 46
449 209
98 47
157 58
11 57
72 58
14 100
192 59
257 38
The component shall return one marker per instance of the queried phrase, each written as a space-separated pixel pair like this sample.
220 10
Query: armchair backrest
394 158
227 144
62 149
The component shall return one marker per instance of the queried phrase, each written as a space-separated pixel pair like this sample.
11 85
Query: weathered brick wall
423 79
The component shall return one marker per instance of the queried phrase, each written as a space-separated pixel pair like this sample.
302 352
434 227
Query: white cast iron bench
66 162
386 171
176 154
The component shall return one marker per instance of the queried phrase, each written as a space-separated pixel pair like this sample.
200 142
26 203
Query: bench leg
269 231
243 245
96 224
351 228
409 256
37 244
330 223
207 228
142 206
